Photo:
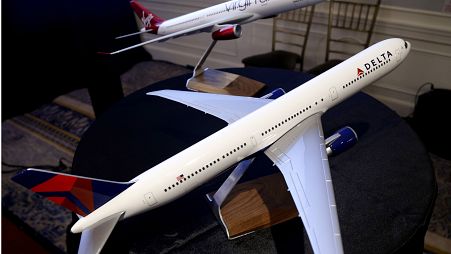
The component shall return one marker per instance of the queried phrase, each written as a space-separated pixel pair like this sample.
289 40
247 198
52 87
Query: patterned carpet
49 136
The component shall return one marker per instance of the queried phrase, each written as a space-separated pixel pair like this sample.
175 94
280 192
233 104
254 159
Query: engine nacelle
276 93
341 140
227 33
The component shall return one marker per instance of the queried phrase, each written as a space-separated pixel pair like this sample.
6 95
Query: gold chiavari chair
289 39
350 27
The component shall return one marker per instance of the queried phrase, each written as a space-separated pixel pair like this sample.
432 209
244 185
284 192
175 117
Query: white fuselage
259 9
254 132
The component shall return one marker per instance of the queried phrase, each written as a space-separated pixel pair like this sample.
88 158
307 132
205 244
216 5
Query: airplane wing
93 239
196 29
301 156
226 107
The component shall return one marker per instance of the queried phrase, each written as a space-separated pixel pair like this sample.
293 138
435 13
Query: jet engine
341 141
228 32
276 93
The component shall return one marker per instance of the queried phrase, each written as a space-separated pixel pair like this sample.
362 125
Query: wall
429 61
430 5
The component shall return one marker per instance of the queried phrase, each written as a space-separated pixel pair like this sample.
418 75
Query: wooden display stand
257 204
249 206
215 81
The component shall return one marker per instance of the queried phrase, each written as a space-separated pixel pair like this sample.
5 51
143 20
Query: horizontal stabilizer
132 34
79 194
92 240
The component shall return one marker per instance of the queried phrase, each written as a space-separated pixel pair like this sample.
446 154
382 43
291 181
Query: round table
384 186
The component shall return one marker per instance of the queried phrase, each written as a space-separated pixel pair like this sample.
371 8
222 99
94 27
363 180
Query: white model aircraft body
222 20
231 12
289 128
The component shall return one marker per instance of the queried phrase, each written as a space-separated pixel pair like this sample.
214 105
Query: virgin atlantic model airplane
222 20
288 129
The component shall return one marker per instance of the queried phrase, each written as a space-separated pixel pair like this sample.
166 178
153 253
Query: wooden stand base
257 204
214 81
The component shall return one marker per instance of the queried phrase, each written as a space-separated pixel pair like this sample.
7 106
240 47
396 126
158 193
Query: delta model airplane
222 20
288 129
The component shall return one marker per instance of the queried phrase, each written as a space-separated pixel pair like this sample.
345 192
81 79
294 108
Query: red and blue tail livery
150 21
79 194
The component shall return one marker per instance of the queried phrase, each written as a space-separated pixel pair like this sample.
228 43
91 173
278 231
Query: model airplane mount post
220 82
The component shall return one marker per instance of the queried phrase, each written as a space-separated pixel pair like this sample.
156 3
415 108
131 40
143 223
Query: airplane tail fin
150 21
79 194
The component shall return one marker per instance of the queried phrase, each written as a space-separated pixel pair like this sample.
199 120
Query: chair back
350 27
290 31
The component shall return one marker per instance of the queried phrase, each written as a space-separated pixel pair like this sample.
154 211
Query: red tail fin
80 194
150 20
